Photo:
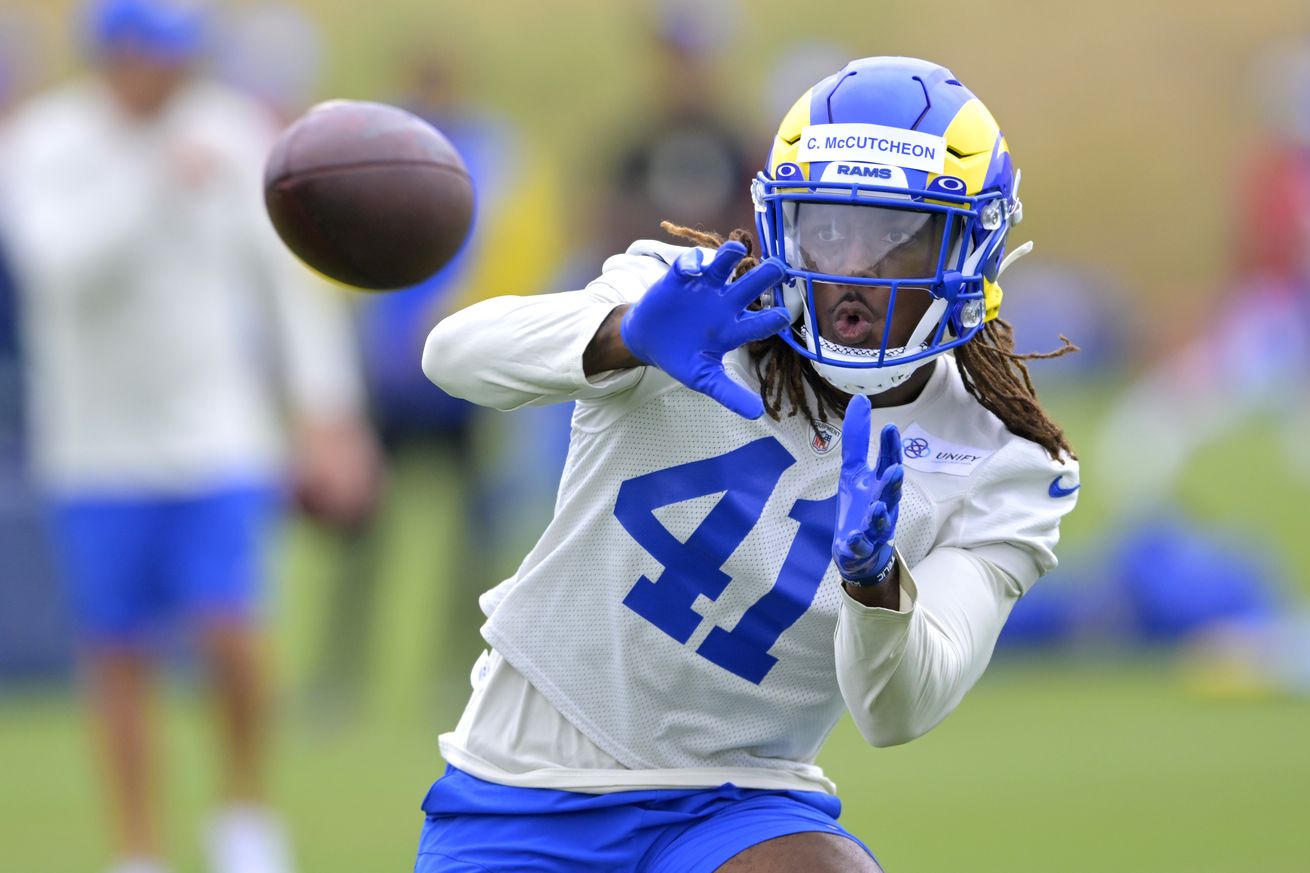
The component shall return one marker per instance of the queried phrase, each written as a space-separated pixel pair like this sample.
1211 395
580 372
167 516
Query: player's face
867 242
142 86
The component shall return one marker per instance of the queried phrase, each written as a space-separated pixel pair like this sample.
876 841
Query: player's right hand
693 315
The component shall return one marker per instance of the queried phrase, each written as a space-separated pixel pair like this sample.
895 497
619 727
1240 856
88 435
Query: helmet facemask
880 279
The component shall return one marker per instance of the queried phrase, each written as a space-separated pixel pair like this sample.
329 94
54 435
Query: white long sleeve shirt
680 622
164 323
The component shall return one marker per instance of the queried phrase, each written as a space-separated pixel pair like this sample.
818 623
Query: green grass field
1058 766
1053 763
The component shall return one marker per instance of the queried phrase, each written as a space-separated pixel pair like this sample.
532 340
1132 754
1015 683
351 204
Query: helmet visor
864 241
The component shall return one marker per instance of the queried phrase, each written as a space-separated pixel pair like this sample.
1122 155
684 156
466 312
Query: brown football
368 194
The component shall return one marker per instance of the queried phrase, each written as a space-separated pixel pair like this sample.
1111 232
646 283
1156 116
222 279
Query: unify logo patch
922 451
824 438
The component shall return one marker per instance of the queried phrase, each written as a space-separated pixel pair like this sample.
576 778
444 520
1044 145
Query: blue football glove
868 500
691 317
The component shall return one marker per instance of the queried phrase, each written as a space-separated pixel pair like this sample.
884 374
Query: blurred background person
684 153
273 51
797 66
160 314
18 39
33 620
1246 351
514 245
1164 575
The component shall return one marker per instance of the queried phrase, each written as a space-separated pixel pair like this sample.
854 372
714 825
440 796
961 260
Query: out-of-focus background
1149 705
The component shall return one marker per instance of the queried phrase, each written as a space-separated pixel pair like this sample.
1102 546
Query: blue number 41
746 477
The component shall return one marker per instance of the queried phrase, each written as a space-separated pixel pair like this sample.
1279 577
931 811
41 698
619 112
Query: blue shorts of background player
474 826
136 566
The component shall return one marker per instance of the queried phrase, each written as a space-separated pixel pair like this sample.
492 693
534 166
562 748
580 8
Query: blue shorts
135 566
479 827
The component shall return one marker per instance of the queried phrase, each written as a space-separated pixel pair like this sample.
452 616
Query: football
368 194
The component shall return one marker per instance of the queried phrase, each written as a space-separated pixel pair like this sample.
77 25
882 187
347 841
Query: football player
818 486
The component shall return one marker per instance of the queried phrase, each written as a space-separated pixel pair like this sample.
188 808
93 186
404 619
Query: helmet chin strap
871 380
867 381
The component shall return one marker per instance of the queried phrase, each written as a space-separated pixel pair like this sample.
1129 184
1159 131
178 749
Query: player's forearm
885 595
902 673
509 352
606 351
324 380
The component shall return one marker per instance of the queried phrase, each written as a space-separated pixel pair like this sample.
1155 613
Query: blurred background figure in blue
513 248
1248 353
1165 577
798 65
272 51
33 619
176 360
1048 298
688 153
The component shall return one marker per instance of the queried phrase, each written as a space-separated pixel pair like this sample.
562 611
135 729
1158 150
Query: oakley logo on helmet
948 184
787 171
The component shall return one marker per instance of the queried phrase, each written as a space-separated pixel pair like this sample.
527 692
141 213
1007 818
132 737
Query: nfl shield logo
825 437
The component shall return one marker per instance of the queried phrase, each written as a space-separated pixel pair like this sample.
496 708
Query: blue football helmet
889 174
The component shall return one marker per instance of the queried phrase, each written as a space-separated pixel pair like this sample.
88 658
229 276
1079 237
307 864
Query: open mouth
852 322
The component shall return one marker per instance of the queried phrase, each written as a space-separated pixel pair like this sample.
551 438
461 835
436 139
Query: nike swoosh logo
1058 491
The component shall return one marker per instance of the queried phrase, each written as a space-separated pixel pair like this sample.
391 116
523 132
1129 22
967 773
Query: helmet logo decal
872 144
866 174
948 185
787 171
864 170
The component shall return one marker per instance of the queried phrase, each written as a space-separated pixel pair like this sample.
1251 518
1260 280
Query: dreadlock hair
992 372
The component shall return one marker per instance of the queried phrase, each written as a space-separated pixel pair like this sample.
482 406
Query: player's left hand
868 499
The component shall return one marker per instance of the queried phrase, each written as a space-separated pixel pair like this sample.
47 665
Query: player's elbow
890 722
444 362
883 734
457 362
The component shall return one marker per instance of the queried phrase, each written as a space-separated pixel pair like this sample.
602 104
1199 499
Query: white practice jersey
680 622
157 312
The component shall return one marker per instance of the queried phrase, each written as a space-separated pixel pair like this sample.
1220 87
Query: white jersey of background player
718 584
152 277
157 304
